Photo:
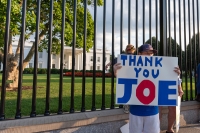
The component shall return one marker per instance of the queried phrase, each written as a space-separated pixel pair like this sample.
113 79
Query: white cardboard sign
178 111
147 80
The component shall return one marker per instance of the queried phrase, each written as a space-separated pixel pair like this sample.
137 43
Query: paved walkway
109 128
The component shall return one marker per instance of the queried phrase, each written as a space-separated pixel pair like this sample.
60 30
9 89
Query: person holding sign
129 50
143 118
172 110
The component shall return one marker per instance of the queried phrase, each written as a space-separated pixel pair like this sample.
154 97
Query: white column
59 62
81 61
77 61
69 62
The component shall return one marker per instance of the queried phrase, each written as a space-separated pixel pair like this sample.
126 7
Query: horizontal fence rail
170 26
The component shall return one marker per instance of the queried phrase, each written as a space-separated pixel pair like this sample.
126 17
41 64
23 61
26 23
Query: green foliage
191 52
28 71
53 71
16 16
42 71
174 46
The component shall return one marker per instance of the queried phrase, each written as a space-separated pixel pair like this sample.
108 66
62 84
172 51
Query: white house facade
67 60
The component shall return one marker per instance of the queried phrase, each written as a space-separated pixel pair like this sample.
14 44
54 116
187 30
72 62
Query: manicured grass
11 96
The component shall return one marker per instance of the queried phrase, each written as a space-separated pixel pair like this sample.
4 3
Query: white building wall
41 60
99 54
55 62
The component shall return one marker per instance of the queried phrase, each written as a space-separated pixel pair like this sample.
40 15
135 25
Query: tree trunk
11 68
12 72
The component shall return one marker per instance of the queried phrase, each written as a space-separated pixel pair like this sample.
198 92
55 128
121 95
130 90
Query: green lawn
11 96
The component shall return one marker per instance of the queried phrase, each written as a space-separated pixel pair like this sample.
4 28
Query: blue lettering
123 58
158 61
164 92
140 61
148 60
137 71
146 73
155 75
127 89
132 60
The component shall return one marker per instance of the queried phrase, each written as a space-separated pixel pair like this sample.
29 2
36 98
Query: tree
15 30
172 48
154 44
191 58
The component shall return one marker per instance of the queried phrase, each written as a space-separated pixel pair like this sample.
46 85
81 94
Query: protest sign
147 80
178 111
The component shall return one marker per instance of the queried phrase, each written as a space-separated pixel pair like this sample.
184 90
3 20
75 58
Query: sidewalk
110 128
194 128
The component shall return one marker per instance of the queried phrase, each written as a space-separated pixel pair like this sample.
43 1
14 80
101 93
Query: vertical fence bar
143 16
47 111
121 27
21 58
73 57
194 42
60 111
186 71
6 43
198 42
136 14
94 59
150 22
156 6
121 33
190 44
175 51
33 112
163 27
180 38
129 21
103 107
169 45
113 53
84 56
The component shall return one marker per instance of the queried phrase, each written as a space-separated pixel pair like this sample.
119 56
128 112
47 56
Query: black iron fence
171 26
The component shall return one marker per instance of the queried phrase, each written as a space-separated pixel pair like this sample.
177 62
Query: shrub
42 71
55 71
87 74
28 71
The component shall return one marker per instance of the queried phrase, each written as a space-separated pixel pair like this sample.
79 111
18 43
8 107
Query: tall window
40 54
54 56
40 65
91 67
98 67
98 59
64 56
30 65
53 66
91 58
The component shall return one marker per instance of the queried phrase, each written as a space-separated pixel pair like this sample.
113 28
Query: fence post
163 27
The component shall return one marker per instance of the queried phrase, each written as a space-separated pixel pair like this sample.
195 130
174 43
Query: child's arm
180 90
108 65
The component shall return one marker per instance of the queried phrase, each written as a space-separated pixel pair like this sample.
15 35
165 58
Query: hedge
87 74
53 71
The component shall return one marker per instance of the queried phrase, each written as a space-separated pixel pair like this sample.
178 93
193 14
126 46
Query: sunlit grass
26 100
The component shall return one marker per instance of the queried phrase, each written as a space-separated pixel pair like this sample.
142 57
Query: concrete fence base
190 114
